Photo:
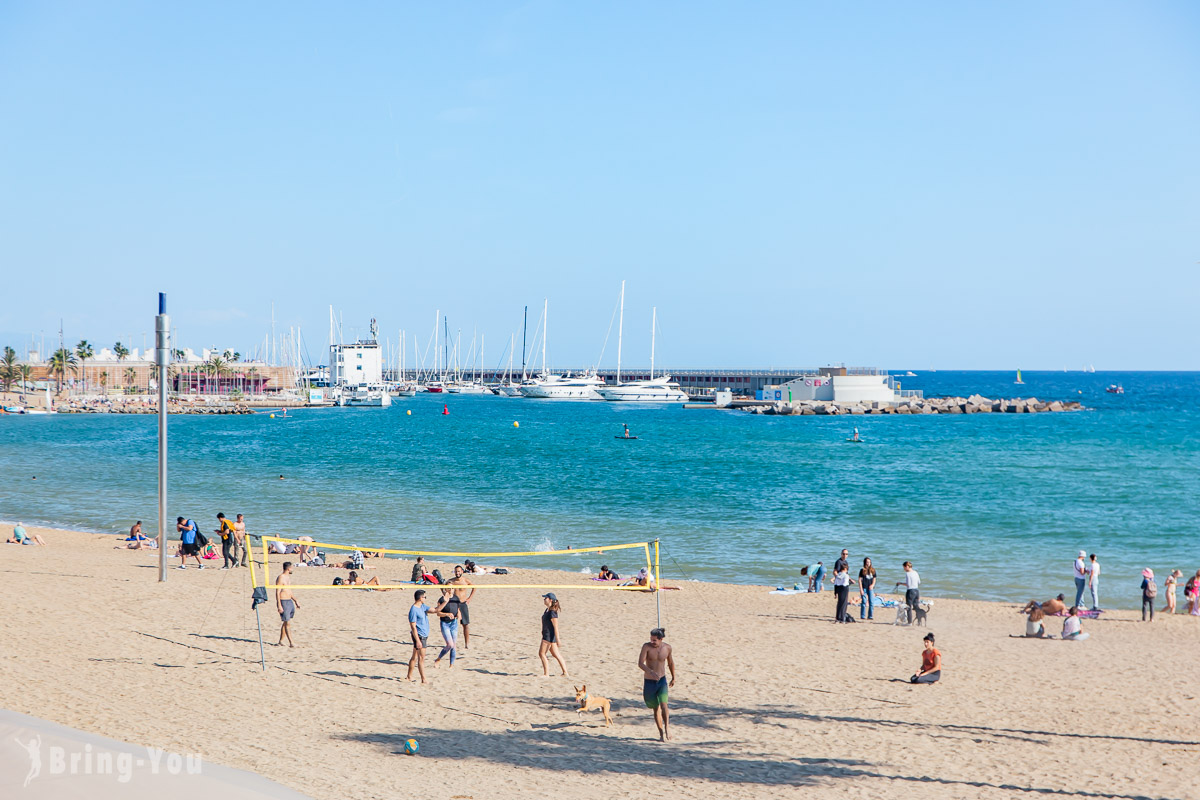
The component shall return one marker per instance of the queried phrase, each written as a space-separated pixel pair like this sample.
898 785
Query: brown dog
589 702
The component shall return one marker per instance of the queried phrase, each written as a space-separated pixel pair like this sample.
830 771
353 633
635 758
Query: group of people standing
231 534
1191 593
866 582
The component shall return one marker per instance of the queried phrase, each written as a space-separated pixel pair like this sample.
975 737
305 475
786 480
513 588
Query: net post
262 653
657 584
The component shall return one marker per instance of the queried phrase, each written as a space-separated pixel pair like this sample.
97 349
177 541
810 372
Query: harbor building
842 385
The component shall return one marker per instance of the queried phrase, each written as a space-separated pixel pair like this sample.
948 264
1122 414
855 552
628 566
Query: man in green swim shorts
654 661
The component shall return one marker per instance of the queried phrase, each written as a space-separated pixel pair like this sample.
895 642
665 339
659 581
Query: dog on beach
922 614
588 702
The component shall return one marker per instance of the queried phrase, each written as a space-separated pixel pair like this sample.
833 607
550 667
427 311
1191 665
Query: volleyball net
331 551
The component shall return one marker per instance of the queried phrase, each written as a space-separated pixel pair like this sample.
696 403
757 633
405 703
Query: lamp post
162 360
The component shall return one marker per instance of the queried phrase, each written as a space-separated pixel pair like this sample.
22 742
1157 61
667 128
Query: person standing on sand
912 590
866 590
1149 592
1191 593
550 636
188 546
1093 574
447 610
654 660
1169 585
239 541
225 531
841 586
464 612
418 629
285 603
931 663
1080 576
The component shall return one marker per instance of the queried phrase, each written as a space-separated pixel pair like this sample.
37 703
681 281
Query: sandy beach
773 698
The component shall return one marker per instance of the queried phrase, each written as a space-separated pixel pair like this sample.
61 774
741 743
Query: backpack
501 571
438 574
1151 589
201 539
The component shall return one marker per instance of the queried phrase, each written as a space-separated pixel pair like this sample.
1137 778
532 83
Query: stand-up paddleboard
857 441
626 438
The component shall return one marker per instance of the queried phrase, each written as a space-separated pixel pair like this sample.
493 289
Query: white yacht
652 390
563 387
364 397
656 390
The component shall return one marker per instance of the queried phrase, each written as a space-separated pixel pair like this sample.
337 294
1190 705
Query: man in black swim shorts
654 661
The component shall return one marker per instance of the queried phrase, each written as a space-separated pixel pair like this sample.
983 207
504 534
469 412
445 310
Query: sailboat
1018 380
405 388
548 386
654 390
508 387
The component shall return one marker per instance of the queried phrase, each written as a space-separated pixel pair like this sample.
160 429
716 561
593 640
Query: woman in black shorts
550 637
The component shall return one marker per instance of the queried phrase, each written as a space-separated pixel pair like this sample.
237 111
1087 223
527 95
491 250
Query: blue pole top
162 302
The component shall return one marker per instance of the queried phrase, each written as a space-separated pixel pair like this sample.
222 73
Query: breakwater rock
975 404
149 408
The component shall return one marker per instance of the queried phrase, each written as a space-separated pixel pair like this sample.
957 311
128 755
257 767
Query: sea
987 506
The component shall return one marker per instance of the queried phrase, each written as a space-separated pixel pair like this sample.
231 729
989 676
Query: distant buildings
838 385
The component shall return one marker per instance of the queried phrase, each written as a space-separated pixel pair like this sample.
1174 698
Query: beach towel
785 591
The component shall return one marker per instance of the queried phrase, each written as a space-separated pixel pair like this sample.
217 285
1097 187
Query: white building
355 365
838 385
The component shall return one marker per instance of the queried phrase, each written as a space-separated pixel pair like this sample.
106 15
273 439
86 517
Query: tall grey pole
162 359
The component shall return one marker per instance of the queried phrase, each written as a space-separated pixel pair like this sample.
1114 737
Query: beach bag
1151 589
201 539
501 571
438 575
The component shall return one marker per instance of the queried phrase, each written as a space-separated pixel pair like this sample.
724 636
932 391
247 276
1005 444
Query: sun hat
1147 573
1083 553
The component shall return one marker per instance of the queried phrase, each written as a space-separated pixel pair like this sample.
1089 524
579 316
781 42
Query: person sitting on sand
1035 626
418 570
643 578
931 663
1072 626
607 574
20 536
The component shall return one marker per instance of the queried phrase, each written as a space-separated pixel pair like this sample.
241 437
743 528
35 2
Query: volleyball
411 746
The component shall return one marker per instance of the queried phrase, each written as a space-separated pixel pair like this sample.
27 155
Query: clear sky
948 185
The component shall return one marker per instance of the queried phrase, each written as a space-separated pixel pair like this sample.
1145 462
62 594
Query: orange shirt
929 658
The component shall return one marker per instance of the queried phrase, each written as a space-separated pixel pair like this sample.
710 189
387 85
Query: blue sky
949 185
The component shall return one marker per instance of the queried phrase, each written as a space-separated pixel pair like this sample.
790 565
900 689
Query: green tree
130 378
120 351
8 368
62 362
26 373
84 351
217 367
104 379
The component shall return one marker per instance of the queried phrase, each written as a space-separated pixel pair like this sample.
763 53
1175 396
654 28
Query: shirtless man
239 539
464 614
1050 607
654 661
285 603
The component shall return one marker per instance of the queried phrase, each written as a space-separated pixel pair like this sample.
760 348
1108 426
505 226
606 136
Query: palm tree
130 377
26 373
61 362
252 374
84 351
104 380
8 368
217 367
120 351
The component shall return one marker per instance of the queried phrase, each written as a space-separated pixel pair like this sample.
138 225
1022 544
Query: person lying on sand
1050 608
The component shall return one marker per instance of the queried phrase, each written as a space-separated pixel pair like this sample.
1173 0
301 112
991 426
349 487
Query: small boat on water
1115 388
1018 381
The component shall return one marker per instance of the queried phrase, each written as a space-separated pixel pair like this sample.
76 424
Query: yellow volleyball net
271 546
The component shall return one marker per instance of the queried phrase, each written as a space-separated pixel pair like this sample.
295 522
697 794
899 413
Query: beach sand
773 699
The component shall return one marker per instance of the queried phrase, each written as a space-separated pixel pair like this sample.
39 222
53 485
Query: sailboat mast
545 328
653 327
524 333
512 340
620 331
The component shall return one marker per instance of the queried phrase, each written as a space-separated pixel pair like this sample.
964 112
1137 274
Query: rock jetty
975 404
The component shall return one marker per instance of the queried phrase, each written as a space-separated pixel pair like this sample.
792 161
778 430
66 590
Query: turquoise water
987 506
